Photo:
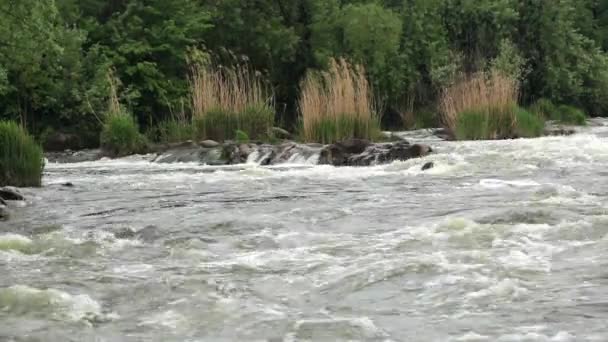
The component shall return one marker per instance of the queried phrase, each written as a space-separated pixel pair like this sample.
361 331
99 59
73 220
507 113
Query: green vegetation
563 113
54 56
337 105
21 159
226 100
120 135
484 106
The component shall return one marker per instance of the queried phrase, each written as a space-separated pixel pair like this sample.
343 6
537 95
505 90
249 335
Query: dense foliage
55 54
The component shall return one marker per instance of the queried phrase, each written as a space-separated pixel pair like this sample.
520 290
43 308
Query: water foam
25 300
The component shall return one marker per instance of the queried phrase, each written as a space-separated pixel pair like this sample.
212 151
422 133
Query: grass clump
225 100
21 158
484 106
561 113
120 134
338 104
174 130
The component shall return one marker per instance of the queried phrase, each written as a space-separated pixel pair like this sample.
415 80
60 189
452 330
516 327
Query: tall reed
481 106
337 104
225 100
21 158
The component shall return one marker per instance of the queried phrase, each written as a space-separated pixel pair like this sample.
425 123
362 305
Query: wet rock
209 143
244 151
338 154
280 133
74 157
58 141
3 202
363 153
181 155
125 233
428 166
444 134
11 194
4 213
149 234
183 144
68 185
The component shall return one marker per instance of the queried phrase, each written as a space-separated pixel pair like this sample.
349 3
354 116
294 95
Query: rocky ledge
8 194
354 152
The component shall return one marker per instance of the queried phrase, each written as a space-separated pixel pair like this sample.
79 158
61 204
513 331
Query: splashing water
500 241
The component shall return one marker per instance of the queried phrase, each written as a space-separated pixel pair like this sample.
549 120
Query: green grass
498 124
21 158
564 114
220 125
329 130
571 115
120 135
528 124
172 131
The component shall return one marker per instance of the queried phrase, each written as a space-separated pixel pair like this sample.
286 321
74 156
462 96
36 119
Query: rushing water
501 241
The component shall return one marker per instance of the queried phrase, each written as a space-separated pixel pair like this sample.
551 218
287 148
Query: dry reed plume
491 93
229 89
337 104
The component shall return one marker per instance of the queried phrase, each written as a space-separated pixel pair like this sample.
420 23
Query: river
500 241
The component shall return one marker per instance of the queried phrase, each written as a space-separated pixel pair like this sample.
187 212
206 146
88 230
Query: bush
120 135
483 125
529 125
241 137
337 104
256 121
217 124
172 131
21 158
563 113
571 115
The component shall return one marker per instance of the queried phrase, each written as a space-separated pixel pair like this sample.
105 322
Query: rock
11 194
68 185
362 153
184 144
58 141
280 133
444 134
338 154
428 166
125 233
209 143
3 203
4 213
74 157
244 151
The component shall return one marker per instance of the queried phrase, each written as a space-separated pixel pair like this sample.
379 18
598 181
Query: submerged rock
4 213
11 194
428 166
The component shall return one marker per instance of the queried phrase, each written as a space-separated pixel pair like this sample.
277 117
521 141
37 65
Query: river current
500 241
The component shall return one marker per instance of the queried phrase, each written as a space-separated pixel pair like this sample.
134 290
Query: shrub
571 115
21 158
562 113
174 130
337 105
241 137
529 124
120 135
546 109
228 99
